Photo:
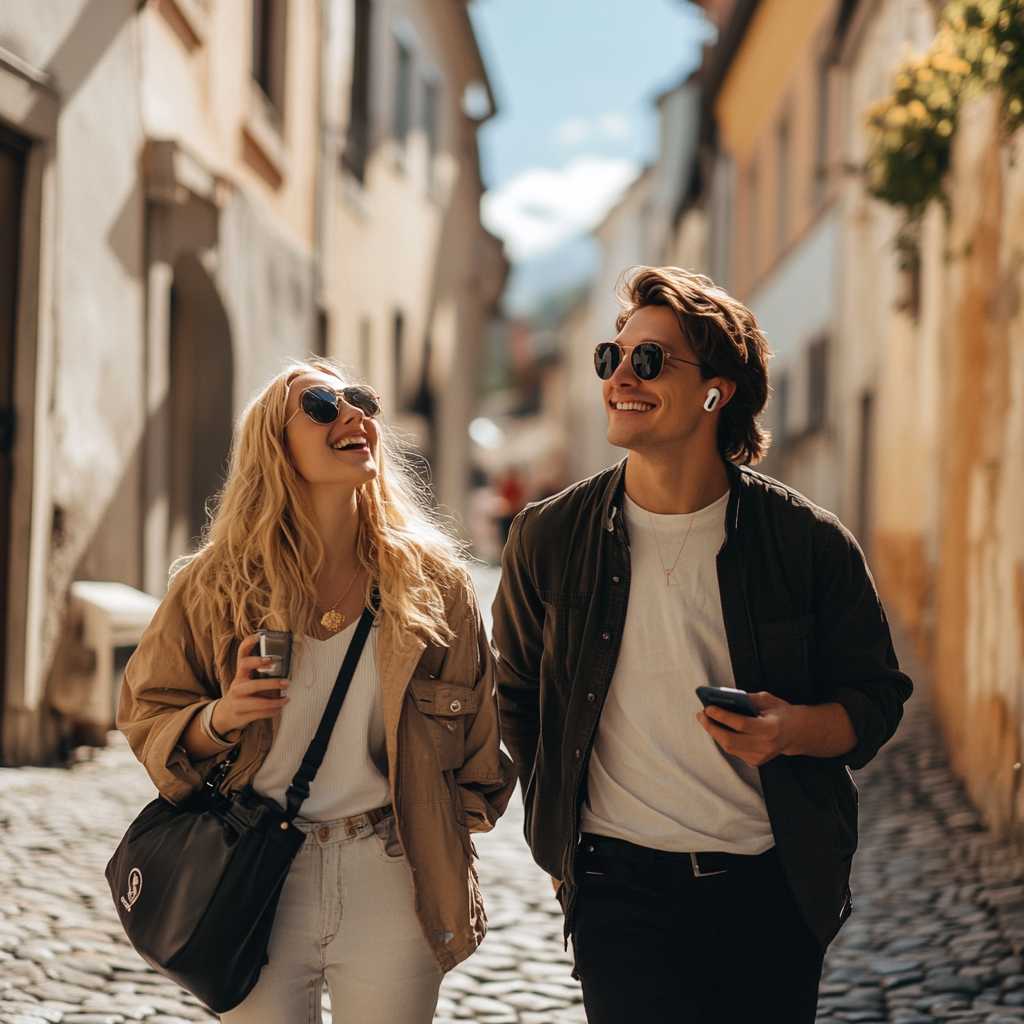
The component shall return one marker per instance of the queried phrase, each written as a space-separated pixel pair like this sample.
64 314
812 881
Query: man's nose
624 374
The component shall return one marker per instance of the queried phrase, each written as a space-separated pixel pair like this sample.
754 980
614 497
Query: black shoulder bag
197 885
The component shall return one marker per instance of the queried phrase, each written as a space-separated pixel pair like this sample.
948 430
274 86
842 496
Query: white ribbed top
354 775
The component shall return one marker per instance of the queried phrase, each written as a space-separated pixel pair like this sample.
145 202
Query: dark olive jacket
803 621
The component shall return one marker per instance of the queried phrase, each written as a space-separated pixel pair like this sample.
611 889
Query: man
702 857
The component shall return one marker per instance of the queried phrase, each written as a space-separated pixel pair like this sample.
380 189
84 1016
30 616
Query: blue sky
574 82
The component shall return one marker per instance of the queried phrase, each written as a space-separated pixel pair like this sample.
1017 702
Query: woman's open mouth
351 443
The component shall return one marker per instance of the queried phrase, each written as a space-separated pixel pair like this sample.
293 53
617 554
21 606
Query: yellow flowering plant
980 45
911 129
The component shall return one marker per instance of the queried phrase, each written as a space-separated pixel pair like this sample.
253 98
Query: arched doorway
201 390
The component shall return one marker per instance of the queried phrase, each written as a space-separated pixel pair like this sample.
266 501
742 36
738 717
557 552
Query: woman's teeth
354 441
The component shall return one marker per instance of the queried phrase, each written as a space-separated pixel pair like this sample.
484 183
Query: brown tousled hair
724 337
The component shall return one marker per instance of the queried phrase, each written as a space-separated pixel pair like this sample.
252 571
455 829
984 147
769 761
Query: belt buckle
697 873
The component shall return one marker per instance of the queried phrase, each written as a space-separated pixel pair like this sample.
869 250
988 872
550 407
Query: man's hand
816 730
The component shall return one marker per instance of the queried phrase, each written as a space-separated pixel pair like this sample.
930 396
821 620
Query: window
721 239
358 140
430 112
364 347
821 137
403 80
817 385
398 340
782 185
782 418
269 25
752 215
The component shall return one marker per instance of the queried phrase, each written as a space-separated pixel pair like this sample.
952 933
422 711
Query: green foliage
980 45
911 129
1008 38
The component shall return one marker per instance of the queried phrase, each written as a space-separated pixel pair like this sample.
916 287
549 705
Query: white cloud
573 132
576 131
540 209
614 126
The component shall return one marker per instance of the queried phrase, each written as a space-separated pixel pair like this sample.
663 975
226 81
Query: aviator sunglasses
323 406
647 359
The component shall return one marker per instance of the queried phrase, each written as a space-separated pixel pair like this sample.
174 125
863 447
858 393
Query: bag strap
298 791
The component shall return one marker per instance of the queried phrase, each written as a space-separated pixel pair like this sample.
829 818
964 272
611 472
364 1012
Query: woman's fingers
246 665
247 687
248 644
229 716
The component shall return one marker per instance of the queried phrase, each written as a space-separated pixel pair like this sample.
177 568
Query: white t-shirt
656 778
354 775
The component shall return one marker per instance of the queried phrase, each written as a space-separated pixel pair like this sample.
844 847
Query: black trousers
658 944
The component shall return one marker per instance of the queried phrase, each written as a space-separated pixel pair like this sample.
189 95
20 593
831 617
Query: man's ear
725 386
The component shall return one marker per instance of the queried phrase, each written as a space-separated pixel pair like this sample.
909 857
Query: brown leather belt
356 824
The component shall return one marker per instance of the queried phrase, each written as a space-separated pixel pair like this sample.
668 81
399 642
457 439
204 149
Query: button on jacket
447 776
802 619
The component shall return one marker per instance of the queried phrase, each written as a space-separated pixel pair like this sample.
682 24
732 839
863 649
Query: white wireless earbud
714 397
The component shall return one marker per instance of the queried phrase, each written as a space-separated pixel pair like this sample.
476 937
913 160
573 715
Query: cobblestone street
937 924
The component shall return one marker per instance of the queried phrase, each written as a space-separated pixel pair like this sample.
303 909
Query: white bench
111 615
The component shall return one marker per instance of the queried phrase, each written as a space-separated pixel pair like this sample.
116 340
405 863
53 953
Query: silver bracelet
207 729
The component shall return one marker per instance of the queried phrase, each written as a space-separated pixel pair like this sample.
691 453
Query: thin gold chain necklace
333 620
686 537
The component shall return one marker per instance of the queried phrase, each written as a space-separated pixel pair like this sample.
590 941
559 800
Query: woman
316 515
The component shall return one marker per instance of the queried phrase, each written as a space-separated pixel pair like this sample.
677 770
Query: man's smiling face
645 414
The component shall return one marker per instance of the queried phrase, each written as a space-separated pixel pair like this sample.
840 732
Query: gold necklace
686 537
333 620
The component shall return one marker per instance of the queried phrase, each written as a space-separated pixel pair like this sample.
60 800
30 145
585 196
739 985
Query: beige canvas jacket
448 777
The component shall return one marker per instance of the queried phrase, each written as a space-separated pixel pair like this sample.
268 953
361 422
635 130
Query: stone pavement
938 919
937 925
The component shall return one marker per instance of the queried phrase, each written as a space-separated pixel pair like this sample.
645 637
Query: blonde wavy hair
261 555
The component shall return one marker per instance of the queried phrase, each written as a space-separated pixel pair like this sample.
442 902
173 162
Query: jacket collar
611 504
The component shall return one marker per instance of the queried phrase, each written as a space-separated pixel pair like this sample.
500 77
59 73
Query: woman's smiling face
342 453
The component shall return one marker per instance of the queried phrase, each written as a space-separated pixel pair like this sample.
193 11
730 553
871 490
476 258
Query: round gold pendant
332 621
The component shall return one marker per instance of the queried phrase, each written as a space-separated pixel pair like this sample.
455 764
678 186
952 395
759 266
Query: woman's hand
245 700
248 699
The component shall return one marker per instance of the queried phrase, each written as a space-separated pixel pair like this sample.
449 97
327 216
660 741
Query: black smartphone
729 698
275 644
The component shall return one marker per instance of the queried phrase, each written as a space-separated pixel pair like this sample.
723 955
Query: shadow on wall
202 386
199 410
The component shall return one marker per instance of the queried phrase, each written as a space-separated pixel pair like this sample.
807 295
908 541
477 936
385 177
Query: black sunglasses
323 406
647 359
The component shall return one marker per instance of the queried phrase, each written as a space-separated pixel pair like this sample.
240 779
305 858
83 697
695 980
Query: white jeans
346 916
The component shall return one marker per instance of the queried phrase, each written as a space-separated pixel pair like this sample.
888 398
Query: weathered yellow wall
778 34
979 661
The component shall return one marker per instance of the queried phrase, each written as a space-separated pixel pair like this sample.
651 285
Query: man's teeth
634 406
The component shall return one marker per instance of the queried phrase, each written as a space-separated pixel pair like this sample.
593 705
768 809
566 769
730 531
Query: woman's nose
349 413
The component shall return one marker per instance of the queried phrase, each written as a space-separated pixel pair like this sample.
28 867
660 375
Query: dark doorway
202 388
12 174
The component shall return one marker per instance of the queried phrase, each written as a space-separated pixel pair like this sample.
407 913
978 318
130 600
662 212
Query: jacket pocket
785 647
564 615
444 707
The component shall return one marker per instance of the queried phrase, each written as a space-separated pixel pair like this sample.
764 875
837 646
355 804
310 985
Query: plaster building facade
639 230
920 446
177 222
